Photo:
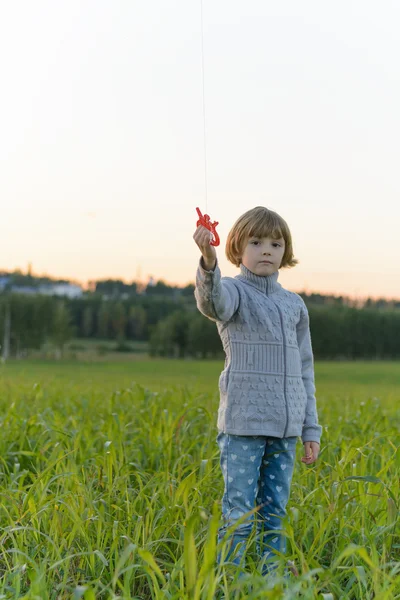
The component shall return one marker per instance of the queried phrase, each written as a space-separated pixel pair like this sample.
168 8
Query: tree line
172 326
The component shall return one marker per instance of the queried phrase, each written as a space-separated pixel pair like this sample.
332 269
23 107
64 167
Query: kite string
204 105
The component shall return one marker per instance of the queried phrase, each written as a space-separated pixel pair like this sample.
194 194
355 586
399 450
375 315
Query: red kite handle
205 221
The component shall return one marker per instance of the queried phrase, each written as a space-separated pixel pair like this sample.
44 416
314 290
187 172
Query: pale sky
102 148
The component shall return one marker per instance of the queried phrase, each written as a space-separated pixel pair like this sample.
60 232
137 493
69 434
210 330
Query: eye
274 244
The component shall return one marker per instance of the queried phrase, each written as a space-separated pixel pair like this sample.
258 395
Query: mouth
266 262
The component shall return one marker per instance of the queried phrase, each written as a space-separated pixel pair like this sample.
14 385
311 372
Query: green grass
364 378
110 484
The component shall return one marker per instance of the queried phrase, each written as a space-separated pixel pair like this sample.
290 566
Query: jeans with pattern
257 471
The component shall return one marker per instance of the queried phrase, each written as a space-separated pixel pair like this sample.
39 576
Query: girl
267 391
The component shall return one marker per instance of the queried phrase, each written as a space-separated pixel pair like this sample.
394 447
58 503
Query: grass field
110 484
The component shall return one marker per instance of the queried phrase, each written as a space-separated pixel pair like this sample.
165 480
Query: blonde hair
259 222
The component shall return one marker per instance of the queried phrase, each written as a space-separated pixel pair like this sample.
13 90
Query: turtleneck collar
268 284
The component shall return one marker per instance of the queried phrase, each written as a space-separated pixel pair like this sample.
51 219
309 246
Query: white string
204 105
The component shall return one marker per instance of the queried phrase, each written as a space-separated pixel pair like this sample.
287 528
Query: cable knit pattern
267 386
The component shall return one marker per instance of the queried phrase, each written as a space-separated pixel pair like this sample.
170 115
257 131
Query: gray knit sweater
267 386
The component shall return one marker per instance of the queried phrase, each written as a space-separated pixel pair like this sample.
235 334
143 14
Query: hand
311 451
202 236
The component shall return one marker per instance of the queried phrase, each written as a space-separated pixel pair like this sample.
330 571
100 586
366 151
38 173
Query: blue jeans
255 468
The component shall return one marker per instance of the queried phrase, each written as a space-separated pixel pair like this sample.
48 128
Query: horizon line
85 285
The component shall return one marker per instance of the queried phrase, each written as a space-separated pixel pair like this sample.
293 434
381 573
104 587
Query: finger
198 241
308 452
200 231
315 449
307 457
310 458
201 237
205 230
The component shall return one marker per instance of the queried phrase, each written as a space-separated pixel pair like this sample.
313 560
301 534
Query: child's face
263 249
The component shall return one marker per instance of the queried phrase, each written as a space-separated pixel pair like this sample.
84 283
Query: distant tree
203 338
88 321
160 289
118 320
136 322
24 322
103 319
186 334
114 288
160 342
7 332
169 337
62 330
188 290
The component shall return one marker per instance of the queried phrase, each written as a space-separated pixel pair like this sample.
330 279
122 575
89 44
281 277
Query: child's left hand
311 451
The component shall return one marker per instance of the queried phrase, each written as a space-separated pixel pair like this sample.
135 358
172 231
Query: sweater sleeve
311 429
217 298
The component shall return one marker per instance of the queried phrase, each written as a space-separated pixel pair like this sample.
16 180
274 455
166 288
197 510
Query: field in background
94 350
110 483
359 378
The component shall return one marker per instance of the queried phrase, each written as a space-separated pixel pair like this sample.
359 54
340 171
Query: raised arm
217 298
